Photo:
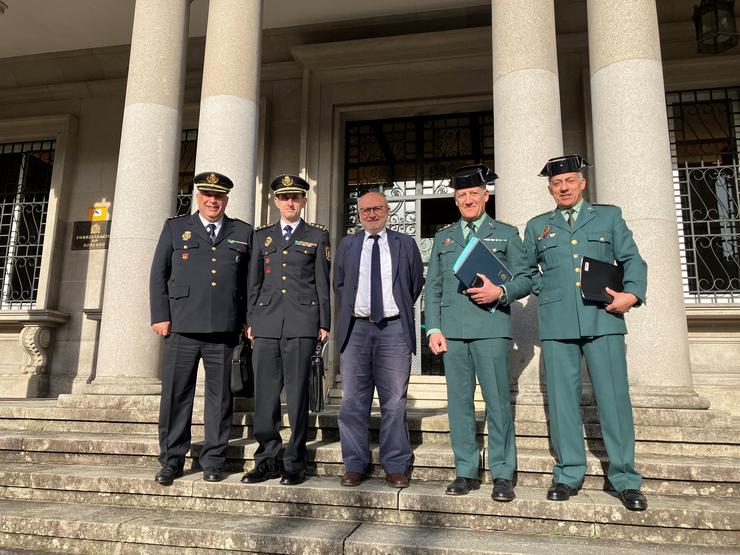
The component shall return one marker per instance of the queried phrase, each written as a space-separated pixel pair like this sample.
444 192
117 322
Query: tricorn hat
563 164
477 175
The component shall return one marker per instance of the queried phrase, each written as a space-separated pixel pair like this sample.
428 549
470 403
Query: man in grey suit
289 312
378 276
198 299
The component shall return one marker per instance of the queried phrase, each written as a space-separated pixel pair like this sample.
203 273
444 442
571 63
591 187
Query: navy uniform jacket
200 287
448 308
554 253
289 282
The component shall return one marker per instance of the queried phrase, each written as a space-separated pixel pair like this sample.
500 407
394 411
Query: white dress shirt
362 301
218 224
293 226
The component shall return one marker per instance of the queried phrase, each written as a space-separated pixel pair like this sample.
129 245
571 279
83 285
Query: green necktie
471 231
570 220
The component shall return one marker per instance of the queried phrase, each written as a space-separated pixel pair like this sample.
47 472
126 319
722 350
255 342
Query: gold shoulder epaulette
264 226
445 227
603 204
177 217
317 226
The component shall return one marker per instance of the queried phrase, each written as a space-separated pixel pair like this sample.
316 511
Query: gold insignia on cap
186 235
546 231
212 179
268 241
287 181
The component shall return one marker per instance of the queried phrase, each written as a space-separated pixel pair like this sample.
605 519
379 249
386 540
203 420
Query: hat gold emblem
287 181
186 235
212 179
268 241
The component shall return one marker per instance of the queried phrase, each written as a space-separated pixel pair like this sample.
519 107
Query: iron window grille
25 181
704 126
187 172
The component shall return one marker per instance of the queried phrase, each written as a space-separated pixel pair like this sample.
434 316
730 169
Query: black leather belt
388 319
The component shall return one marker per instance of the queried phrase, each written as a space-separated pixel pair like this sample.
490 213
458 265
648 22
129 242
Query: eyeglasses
374 209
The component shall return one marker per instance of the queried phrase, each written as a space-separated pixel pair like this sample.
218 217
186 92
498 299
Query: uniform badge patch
186 235
546 231
328 253
268 241
185 255
447 242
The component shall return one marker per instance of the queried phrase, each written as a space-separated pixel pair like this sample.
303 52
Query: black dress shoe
260 473
167 475
561 492
503 490
293 478
462 486
633 499
212 474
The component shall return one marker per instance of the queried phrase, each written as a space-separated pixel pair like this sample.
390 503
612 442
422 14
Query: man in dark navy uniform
198 302
288 312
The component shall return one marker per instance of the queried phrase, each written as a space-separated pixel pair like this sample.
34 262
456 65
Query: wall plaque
90 235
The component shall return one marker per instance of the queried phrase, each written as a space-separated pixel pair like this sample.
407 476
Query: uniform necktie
376 283
211 228
471 231
569 220
288 231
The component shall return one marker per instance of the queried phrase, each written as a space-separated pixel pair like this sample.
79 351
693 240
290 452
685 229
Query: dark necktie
376 283
471 231
211 228
287 232
569 220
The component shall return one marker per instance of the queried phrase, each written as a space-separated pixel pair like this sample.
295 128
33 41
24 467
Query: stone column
128 351
229 103
527 132
632 164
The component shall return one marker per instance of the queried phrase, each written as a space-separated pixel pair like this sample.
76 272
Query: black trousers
278 362
182 354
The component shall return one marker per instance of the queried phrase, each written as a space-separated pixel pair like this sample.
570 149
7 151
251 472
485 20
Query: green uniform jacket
554 253
448 308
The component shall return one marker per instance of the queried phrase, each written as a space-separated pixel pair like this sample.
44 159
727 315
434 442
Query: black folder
477 259
596 276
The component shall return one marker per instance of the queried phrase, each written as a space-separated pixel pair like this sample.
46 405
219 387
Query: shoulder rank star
186 235
268 241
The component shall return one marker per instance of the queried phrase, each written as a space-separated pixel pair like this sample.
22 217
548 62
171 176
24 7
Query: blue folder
477 259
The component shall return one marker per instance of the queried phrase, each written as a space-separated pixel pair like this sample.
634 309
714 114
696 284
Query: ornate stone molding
35 341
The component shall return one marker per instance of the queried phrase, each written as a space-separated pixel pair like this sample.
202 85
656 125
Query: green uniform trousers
607 368
489 360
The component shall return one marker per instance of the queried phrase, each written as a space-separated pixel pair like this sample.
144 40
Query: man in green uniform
571 328
472 327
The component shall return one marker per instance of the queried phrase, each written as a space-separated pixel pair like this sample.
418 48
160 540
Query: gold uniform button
575 256
283 291
305 251
285 253
213 271
213 248
495 250
578 270
313 302
213 284
185 247
574 242
285 264
213 260
262 304
578 284
601 238
285 277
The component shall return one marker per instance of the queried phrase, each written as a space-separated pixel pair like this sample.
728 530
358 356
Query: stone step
669 519
664 473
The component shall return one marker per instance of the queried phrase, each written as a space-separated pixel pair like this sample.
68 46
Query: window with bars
187 172
25 181
704 126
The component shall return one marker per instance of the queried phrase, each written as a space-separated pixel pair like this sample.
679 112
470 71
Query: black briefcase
316 379
242 375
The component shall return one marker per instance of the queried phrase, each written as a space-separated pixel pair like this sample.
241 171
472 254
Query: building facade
99 143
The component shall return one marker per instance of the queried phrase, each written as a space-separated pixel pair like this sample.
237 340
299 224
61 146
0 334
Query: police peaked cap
213 181
563 164
477 175
286 183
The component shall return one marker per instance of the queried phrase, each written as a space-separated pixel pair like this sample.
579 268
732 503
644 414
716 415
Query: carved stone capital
35 341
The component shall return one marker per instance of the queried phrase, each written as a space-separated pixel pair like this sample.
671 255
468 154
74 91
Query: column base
124 385
659 397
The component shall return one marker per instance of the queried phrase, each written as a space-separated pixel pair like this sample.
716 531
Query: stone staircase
76 477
